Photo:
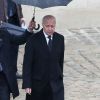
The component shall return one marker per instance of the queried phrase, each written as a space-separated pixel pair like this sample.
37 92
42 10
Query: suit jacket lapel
54 42
43 41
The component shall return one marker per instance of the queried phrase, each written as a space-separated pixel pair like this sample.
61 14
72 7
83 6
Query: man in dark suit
12 13
43 63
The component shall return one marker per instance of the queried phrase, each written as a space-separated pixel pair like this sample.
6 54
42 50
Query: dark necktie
50 43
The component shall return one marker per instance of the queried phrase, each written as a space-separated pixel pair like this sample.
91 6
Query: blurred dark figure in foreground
12 13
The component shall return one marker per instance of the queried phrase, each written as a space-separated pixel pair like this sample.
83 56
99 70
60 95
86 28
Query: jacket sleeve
61 61
20 39
27 64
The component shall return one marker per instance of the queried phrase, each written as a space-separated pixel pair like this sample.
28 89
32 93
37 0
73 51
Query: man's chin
50 33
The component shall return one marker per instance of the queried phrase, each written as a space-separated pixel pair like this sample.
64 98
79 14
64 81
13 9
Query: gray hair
47 17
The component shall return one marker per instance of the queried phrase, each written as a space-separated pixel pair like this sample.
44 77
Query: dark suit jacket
6 40
40 65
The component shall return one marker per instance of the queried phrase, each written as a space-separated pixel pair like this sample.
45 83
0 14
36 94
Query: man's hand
31 26
28 90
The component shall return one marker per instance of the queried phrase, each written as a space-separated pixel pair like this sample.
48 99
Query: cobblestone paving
81 64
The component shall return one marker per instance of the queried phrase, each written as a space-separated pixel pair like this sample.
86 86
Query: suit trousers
4 88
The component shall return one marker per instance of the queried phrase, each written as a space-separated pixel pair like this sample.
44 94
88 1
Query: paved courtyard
82 64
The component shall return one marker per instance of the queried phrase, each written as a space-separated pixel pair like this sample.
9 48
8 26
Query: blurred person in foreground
8 79
43 63
12 13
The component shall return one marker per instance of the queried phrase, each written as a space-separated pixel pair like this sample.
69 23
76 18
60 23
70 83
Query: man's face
49 26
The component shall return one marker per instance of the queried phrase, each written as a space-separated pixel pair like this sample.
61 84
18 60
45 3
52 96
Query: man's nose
50 28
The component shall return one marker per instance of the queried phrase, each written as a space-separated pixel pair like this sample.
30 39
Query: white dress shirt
46 36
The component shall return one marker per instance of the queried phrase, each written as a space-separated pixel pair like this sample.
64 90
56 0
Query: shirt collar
46 36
